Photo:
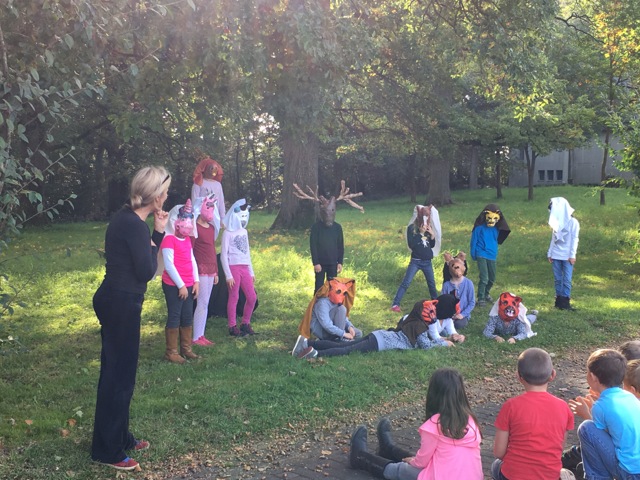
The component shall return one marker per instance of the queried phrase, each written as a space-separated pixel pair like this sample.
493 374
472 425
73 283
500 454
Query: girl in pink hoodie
449 439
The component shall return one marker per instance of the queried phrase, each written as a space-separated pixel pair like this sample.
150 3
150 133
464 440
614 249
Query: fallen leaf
72 422
29 422
64 432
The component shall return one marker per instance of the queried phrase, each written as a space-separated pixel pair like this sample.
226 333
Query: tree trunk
473 168
300 156
498 175
531 169
439 190
412 173
603 167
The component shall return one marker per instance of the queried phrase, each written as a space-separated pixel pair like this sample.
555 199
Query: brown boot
171 335
185 343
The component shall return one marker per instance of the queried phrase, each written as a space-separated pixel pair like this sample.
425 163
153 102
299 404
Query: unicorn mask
238 216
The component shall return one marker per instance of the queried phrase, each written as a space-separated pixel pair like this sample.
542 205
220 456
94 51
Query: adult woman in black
131 255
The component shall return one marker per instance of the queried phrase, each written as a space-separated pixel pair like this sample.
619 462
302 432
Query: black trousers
330 271
119 315
328 348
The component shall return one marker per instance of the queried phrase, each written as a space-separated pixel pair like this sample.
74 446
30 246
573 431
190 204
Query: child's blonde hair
632 375
147 185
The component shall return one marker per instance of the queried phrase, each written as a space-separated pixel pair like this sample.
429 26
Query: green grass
252 388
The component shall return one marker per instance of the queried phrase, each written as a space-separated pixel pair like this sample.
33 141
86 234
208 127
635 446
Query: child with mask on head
489 230
444 323
563 249
329 314
509 316
462 288
236 263
423 239
180 282
204 251
207 178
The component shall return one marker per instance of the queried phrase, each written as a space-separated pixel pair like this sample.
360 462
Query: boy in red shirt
531 428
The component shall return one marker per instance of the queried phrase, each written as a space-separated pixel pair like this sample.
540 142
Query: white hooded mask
237 217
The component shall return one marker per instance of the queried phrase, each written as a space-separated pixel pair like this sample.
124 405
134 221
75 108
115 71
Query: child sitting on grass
462 288
609 442
509 316
443 324
531 428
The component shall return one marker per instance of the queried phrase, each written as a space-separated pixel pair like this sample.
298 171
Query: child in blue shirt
489 230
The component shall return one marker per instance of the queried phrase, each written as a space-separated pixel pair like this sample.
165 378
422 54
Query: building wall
580 166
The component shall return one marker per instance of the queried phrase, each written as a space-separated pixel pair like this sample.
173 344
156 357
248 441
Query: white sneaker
301 344
307 353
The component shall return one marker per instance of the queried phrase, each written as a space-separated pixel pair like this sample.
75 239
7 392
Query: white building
579 166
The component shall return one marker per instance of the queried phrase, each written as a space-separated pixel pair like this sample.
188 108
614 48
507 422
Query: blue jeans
562 273
599 454
179 311
496 474
401 471
414 266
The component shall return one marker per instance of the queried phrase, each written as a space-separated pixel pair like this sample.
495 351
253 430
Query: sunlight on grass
246 389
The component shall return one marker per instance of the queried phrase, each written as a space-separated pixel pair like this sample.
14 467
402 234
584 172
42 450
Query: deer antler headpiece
327 207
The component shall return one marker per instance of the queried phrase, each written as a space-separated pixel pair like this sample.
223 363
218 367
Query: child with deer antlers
327 239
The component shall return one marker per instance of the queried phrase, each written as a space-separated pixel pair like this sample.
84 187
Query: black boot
360 459
567 304
557 305
386 447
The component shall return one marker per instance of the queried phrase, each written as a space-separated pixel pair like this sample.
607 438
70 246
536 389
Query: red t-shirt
204 250
537 423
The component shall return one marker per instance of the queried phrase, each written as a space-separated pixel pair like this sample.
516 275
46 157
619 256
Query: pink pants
242 279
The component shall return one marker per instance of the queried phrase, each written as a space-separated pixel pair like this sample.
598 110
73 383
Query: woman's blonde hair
147 185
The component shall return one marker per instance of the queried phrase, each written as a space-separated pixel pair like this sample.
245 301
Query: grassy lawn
243 389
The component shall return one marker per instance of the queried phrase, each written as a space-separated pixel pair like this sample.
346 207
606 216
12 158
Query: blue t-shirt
618 412
484 242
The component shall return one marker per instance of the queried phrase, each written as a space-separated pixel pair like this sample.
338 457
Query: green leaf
34 74
192 5
68 40
49 57
133 69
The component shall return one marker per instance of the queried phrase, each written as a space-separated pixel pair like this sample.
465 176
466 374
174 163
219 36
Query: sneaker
141 445
301 344
200 342
481 303
533 312
396 308
246 329
207 342
127 464
308 352
488 299
234 331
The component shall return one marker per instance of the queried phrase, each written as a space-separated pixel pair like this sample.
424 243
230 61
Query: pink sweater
443 457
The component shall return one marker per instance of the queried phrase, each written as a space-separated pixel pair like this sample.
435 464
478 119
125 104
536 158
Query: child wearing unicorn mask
235 257
180 282
204 251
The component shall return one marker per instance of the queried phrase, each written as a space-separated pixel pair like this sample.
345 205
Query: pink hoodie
443 457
